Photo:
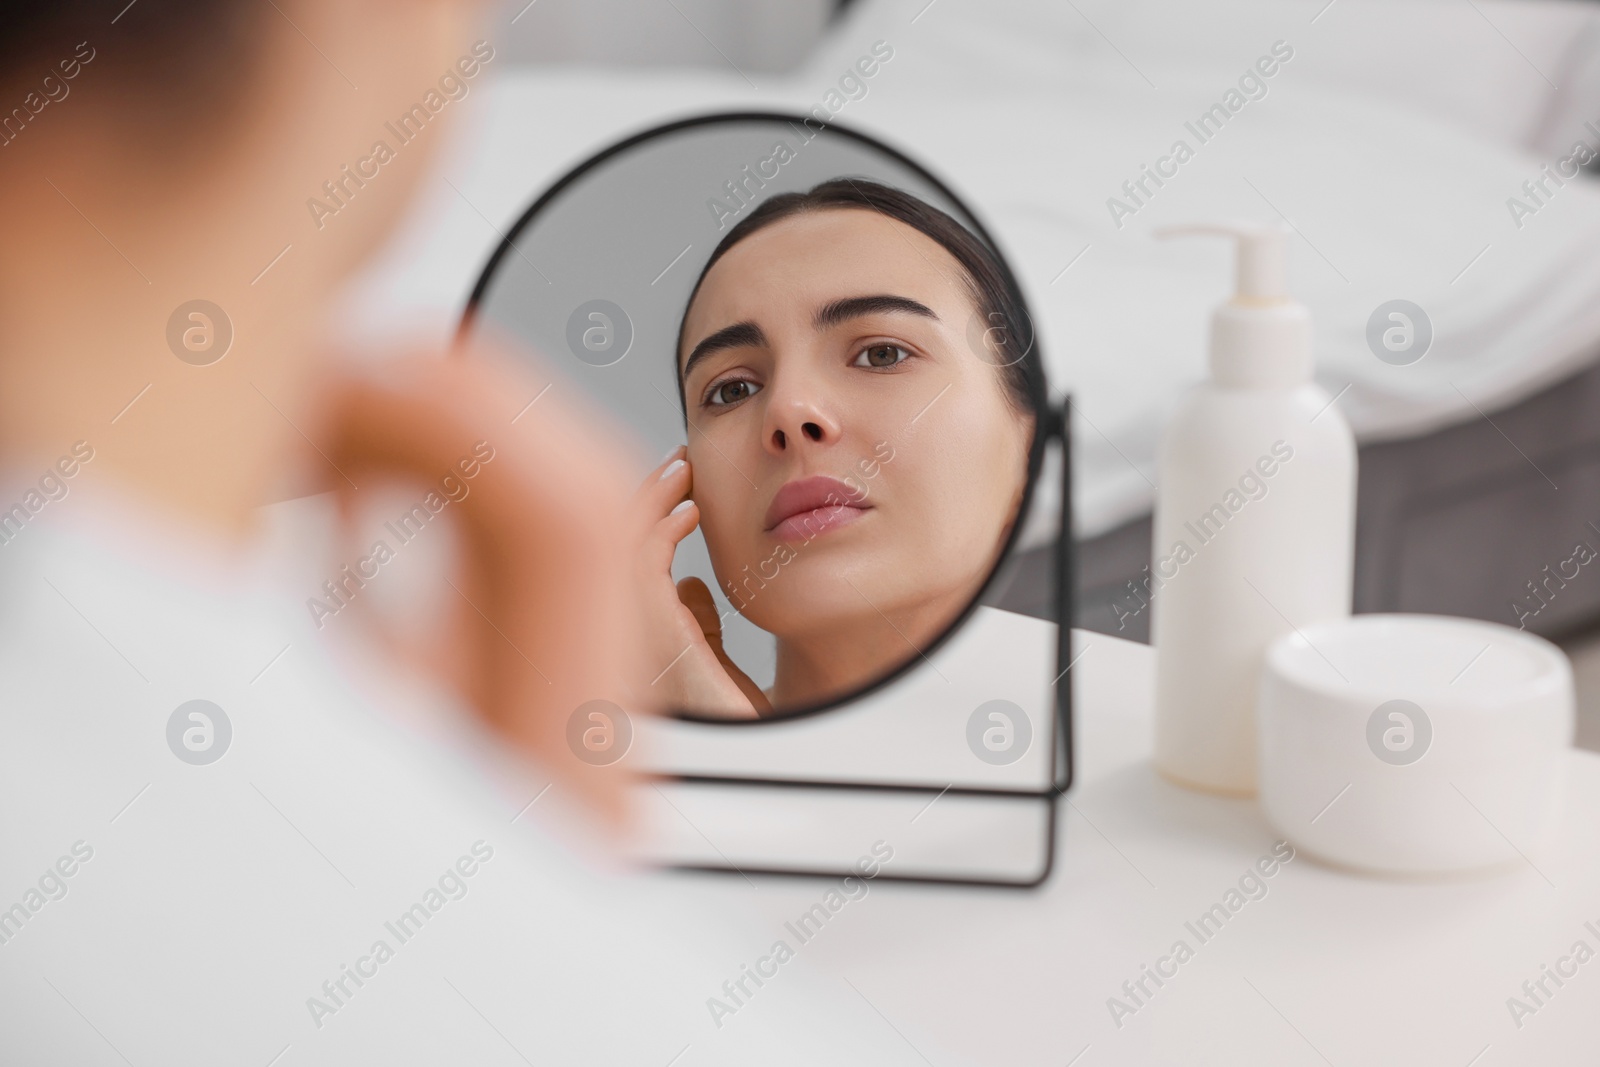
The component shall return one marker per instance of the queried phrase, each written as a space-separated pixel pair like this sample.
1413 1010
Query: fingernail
673 468
672 452
682 506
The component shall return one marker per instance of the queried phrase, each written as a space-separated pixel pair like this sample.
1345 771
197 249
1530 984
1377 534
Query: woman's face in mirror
856 464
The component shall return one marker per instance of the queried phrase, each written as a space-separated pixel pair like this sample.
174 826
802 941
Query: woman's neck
839 659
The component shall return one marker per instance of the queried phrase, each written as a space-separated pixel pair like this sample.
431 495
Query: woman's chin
824 603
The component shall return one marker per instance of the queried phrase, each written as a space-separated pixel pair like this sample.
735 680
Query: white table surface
1329 967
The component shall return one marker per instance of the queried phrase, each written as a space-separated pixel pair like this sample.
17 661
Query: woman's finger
696 596
651 488
660 545
550 620
663 488
676 453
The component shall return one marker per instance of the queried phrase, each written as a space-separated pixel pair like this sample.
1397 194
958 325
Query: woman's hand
689 669
543 618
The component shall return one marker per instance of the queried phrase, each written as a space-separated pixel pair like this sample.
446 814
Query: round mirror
835 372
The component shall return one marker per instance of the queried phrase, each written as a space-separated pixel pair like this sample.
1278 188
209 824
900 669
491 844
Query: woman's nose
798 416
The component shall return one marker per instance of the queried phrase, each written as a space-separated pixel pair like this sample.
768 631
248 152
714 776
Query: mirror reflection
846 390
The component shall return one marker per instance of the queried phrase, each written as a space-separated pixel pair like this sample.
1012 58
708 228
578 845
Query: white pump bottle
1254 520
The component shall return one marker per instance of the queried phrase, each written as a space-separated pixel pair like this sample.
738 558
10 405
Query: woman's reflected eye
731 392
881 356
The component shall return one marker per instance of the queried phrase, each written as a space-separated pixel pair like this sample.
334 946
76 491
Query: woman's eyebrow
749 335
853 306
739 335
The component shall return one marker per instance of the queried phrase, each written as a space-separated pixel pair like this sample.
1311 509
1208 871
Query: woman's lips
809 506
808 524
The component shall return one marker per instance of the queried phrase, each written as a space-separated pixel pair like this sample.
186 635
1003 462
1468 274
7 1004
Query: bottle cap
1261 337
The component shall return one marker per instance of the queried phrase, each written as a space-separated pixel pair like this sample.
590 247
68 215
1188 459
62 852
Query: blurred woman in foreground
210 840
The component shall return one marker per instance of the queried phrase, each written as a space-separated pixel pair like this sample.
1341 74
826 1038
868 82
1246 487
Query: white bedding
1391 140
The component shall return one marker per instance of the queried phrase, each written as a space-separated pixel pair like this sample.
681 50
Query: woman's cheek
726 540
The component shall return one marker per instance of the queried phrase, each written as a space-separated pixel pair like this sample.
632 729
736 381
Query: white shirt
207 905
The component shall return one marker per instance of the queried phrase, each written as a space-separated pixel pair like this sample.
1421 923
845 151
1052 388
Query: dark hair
988 280
179 58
